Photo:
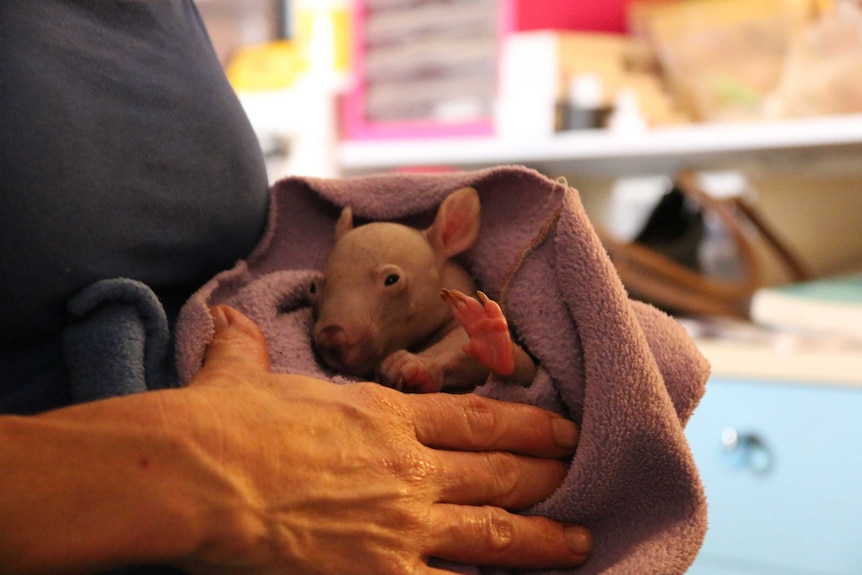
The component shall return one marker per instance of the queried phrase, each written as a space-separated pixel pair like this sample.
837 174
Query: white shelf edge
679 142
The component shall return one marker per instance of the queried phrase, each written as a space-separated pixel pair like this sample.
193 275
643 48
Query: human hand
305 476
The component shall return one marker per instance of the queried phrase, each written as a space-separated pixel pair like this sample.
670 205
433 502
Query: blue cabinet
782 467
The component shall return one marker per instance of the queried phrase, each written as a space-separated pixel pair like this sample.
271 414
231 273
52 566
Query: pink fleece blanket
628 373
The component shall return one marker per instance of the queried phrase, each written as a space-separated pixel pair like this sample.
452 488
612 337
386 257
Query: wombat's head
379 291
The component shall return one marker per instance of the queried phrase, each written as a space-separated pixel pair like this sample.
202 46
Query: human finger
492 536
497 478
237 344
473 423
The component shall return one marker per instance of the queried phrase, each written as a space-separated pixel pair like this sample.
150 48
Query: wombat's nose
332 344
332 335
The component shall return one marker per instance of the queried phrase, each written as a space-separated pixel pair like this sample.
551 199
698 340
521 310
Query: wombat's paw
410 373
483 320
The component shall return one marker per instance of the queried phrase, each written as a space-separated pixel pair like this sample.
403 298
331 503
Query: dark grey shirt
123 153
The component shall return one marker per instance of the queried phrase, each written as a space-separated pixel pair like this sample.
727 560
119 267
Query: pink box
512 16
583 15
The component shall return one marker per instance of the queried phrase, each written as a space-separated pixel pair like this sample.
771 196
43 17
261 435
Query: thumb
237 345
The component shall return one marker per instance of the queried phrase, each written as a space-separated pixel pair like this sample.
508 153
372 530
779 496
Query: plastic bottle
717 254
585 108
627 115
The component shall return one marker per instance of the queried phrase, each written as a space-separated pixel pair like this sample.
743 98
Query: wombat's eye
391 279
312 289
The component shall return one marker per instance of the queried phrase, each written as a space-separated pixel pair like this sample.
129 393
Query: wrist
222 509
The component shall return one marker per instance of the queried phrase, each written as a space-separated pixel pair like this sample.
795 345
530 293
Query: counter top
743 350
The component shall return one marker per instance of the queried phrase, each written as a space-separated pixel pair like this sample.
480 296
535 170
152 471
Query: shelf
826 144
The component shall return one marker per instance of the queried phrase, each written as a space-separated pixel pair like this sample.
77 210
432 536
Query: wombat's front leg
443 366
490 340
411 372
479 343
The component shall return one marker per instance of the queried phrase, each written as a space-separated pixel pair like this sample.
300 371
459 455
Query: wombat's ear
456 226
344 223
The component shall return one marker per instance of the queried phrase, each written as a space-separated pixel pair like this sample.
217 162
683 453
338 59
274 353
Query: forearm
97 486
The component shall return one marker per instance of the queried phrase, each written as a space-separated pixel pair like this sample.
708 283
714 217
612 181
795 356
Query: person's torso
123 153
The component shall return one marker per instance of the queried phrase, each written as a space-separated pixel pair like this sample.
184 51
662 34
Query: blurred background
759 100
591 90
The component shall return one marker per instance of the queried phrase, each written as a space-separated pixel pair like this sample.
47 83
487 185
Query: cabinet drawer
786 496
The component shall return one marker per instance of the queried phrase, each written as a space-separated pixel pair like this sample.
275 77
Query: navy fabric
124 153
117 342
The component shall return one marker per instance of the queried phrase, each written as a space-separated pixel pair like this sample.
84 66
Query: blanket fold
627 373
117 341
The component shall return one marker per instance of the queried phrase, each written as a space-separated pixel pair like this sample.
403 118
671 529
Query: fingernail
565 433
579 540
219 317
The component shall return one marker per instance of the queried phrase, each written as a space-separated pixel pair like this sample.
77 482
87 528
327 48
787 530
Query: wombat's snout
350 354
332 344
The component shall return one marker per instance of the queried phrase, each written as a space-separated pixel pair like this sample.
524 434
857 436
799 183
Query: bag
660 266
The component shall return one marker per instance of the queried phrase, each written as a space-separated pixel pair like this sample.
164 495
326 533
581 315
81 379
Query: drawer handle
748 449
